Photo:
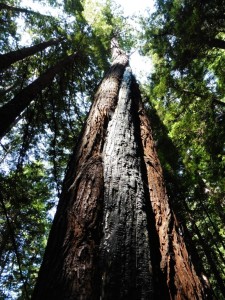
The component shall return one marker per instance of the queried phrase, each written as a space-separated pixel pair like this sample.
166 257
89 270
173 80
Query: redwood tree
115 235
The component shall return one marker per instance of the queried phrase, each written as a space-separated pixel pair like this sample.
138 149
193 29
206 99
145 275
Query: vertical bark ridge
126 262
70 268
179 273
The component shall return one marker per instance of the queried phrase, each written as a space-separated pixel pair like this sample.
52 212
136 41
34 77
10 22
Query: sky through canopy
140 65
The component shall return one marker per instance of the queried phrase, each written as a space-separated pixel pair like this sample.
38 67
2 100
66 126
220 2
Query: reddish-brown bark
178 270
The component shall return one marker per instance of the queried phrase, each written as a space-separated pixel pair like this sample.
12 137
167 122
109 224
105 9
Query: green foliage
24 226
107 22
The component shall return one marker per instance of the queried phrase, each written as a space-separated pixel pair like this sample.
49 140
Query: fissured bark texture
125 249
114 235
178 271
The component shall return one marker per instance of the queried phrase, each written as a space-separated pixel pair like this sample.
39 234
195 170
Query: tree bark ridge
124 246
179 273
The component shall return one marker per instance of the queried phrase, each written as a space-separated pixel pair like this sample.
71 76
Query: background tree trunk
12 110
114 235
8 59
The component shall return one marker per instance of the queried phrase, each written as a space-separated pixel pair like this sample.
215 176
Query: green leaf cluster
24 225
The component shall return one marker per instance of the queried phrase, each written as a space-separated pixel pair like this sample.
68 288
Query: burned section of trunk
125 252
70 268
178 271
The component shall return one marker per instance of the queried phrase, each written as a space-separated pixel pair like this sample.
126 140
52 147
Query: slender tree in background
12 110
114 235
8 59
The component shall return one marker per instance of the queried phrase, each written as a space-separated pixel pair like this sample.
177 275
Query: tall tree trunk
12 110
178 270
8 59
114 235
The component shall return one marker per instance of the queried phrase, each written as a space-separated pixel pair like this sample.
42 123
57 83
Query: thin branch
214 99
216 43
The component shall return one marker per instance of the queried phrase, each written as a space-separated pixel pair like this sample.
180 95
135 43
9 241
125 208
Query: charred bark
6 60
12 110
114 235
125 249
